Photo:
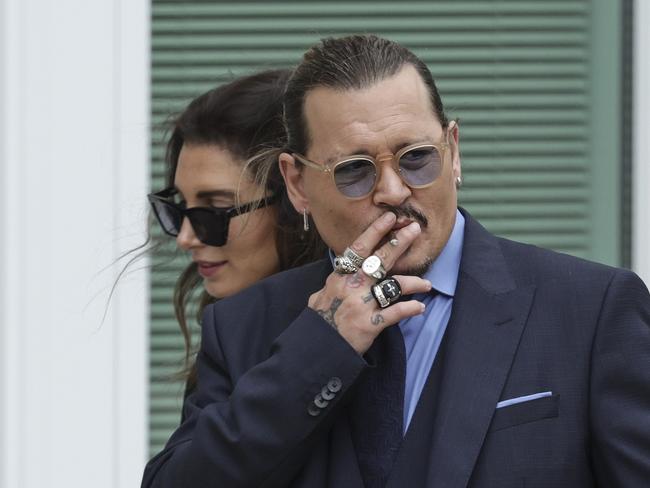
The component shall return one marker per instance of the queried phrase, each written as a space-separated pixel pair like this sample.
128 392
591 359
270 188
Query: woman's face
210 176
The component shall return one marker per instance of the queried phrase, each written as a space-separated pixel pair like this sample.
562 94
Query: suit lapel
488 317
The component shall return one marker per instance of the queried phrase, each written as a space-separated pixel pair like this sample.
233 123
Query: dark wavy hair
245 117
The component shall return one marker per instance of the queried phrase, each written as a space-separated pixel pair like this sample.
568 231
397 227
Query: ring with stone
386 292
373 267
353 256
344 265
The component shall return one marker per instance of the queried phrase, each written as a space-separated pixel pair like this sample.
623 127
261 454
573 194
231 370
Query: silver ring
393 242
344 265
353 256
386 292
373 267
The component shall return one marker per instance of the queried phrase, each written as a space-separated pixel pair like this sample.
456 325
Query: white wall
641 136
74 91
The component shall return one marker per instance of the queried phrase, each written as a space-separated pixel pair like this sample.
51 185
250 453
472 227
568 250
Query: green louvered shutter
534 83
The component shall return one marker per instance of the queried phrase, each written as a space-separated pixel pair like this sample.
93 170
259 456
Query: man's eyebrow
364 150
409 142
339 156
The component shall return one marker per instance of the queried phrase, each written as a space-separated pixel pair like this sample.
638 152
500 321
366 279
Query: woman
239 228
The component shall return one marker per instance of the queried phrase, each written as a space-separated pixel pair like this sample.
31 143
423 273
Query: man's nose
186 238
390 189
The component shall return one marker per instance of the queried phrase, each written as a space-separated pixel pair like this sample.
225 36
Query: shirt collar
443 272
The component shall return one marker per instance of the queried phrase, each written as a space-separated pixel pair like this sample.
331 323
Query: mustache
409 212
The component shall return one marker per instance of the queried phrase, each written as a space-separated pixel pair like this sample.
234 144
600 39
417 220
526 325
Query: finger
412 284
390 253
368 240
408 284
385 317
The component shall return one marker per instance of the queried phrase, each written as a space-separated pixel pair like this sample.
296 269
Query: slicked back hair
348 63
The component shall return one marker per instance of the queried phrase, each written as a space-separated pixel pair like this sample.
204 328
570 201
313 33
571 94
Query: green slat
325 24
529 179
210 42
434 57
443 72
521 163
528 210
517 194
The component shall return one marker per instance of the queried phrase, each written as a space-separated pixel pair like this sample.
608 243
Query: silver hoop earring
305 220
459 182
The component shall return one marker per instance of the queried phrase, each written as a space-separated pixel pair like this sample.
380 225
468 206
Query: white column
74 91
641 136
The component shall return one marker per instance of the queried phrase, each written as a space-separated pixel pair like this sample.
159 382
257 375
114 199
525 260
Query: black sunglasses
209 224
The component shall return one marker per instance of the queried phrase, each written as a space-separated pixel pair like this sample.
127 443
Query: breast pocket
525 412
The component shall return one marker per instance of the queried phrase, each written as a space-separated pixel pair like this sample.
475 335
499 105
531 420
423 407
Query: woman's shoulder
285 290
248 322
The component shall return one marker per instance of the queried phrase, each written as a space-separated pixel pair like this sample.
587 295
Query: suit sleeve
258 429
620 385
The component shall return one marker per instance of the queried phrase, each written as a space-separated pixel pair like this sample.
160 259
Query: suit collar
483 260
443 272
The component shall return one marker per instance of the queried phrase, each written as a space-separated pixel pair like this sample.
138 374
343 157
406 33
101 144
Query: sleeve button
327 394
334 384
313 410
319 402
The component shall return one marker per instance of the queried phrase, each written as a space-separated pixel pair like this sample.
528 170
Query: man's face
377 121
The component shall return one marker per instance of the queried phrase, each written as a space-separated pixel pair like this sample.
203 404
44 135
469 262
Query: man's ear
293 179
453 137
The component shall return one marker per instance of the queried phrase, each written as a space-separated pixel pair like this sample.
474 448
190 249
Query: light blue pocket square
521 399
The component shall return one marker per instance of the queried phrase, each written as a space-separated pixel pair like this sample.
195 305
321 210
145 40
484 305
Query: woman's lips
207 269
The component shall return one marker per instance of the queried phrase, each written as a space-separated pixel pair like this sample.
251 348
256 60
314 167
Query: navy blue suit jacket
524 320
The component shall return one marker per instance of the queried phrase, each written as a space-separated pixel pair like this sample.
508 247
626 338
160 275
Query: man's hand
346 301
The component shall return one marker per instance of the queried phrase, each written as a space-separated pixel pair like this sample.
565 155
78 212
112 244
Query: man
518 366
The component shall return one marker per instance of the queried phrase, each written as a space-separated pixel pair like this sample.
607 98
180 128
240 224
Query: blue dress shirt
423 333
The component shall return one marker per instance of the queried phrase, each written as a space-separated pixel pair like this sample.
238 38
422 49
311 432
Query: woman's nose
186 238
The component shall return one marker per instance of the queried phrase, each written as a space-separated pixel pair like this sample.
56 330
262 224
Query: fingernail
414 226
422 307
388 217
429 285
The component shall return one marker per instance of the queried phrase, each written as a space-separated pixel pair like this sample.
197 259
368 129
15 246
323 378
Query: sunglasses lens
355 178
169 217
420 166
209 225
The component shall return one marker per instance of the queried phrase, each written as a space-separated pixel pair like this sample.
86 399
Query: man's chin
411 265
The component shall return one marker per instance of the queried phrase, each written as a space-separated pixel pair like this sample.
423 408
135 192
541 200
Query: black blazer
524 320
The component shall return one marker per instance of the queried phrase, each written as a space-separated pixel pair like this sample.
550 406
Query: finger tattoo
367 298
328 315
377 319
355 280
